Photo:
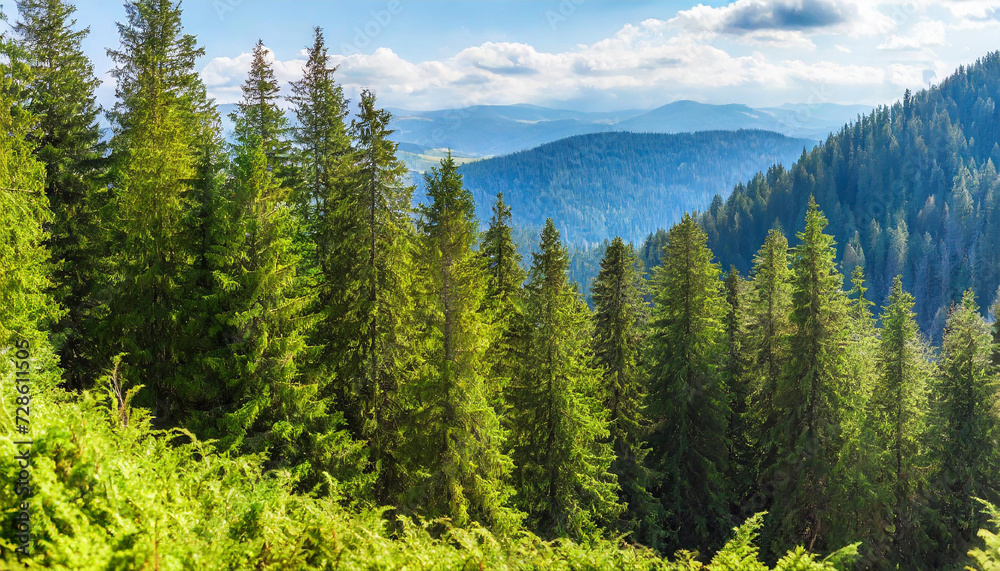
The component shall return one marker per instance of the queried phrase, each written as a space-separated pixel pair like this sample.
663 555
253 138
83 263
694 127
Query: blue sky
587 54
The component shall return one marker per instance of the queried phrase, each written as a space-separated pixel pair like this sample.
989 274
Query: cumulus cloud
756 46
750 17
974 9
923 34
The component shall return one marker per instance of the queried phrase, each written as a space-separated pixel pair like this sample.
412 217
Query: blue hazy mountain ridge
600 185
486 130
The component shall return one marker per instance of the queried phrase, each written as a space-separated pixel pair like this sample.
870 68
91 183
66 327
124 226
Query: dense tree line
622 184
281 298
911 189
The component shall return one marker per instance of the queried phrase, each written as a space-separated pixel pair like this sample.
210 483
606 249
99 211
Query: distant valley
489 130
601 185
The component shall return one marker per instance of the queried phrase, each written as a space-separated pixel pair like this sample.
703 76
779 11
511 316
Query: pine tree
455 440
860 306
967 422
558 431
809 397
27 309
158 121
269 402
620 316
258 117
504 298
324 158
769 328
897 417
503 261
322 142
849 516
995 310
372 344
739 390
67 140
688 401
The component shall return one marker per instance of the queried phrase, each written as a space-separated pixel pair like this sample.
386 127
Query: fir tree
503 301
269 402
741 472
897 416
995 310
323 201
860 306
258 117
503 260
27 309
158 121
371 305
768 327
620 316
809 397
688 400
455 439
558 431
322 142
967 422
67 140
855 490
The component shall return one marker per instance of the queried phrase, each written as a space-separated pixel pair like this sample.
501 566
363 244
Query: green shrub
110 492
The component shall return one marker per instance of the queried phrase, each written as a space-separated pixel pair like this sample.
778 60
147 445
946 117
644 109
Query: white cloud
223 74
747 18
923 34
780 49
974 9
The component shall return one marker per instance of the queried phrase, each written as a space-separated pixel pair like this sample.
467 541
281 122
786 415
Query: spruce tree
995 310
67 140
741 473
769 327
688 401
269 402
455 442
504 300
322 144
558 430
897 417
158 122
27 309
967 421
324 158
809 396
854 489
371 305
258 118
860 306
620 317
503 262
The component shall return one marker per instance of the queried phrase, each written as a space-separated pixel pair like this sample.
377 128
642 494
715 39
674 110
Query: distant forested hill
489 130
910 189
602 185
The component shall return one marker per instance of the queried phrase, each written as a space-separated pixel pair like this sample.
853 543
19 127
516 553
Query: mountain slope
687 116
602 185
487 130
910 189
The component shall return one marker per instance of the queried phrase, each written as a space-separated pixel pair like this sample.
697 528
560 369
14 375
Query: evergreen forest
259 352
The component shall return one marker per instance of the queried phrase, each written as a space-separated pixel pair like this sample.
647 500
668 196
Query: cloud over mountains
755 51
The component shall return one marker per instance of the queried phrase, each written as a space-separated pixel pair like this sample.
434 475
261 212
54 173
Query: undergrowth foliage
112 492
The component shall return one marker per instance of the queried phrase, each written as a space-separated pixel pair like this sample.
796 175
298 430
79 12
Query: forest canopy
259 354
